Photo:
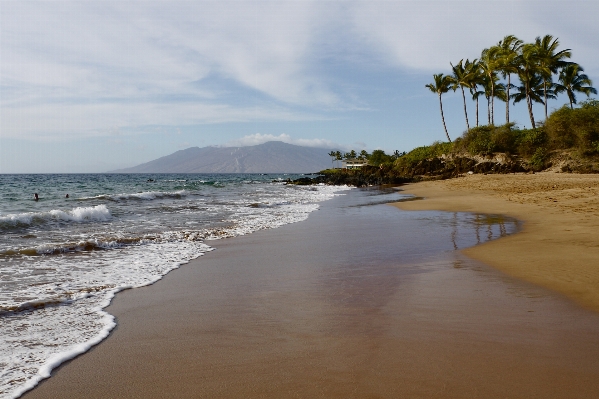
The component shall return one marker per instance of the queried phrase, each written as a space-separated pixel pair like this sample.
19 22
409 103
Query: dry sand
559 245
351 303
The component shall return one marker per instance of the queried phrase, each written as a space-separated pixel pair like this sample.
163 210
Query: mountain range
270 157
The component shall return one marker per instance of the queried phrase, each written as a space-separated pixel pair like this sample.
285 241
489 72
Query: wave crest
99 213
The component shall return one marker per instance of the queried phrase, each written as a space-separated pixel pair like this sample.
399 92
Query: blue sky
92 86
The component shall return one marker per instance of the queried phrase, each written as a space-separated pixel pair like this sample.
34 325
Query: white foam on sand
38 339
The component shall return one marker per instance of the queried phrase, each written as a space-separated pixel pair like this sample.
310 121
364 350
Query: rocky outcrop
448 167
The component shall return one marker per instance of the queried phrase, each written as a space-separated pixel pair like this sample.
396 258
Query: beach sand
354 302
559 245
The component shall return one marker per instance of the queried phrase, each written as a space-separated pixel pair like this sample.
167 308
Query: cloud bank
82 69
256 139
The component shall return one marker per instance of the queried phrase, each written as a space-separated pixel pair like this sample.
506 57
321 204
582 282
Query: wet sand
355 302
559 245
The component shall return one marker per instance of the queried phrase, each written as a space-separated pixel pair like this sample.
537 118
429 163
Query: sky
92 86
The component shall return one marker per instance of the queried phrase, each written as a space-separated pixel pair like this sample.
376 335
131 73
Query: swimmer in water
66 196
35 196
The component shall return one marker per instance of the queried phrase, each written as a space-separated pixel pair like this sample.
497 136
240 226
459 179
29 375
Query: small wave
146 195
107 243
79 214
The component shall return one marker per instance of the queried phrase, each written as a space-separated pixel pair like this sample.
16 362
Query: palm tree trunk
443 118
465 111
545 95
507 103
571 102
476 111
492 122
488 111
532 118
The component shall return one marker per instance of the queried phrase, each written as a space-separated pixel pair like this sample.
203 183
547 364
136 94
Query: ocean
62 258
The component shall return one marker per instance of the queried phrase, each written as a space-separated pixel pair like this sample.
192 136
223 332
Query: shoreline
304 311
558 246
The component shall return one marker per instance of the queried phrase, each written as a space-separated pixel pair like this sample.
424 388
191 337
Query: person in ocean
66 196
35 196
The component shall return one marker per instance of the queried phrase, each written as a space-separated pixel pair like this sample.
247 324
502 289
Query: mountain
270 157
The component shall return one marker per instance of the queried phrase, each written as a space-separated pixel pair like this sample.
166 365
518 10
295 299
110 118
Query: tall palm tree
492 89
461 78
510 47
338 157
571 80
476 78
440 85
550 60
530 90
530 71
490 63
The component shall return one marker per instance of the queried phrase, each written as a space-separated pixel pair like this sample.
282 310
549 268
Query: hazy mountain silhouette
270 157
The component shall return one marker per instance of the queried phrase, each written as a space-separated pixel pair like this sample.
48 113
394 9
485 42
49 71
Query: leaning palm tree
461 78
550 60
442 84
571 80
490 63
510 47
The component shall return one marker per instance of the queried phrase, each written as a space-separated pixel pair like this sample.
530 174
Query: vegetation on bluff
567 141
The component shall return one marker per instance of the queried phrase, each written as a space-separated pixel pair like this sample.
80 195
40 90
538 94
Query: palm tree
338 157
571 79
529 73
462 78
492 89
490 63
333 156
441 84
549 60
363 155
510 47
476 79
530 90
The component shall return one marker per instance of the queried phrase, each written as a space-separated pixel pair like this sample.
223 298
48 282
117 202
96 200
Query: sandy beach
371 301
558 247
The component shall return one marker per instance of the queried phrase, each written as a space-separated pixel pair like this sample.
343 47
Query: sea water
62 258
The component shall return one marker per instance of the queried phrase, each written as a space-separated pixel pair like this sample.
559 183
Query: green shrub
488 139
378 157
423 153
528 141
537 161
575 128
478 140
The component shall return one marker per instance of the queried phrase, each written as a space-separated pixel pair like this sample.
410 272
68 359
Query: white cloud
258 138
83 68
428 34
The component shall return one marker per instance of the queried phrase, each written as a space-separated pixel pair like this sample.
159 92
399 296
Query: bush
379 157
488 139
423 153
537 161
575 128
528 141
